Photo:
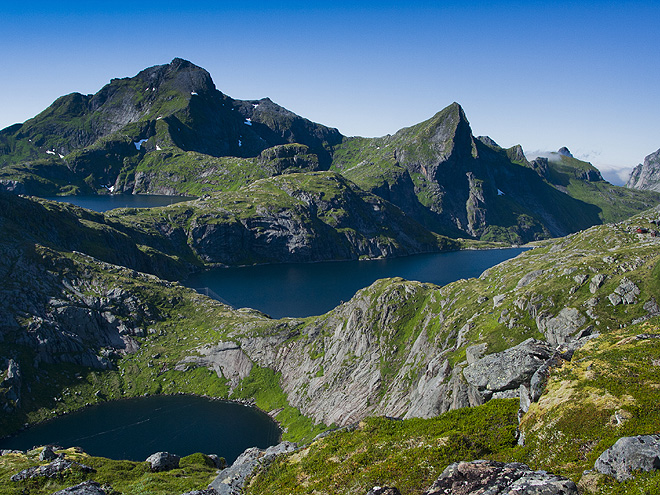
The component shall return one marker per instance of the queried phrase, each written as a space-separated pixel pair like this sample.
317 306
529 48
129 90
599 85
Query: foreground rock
51 470
163 461
84 488
628 454
498 478
230 481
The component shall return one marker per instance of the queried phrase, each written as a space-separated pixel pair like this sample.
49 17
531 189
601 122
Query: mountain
460 185
646 176
168 130
173 113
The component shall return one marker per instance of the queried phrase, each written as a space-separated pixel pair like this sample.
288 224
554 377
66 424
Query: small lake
111 201
306 289
134 429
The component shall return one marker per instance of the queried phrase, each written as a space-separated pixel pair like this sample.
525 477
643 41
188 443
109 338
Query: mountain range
168 130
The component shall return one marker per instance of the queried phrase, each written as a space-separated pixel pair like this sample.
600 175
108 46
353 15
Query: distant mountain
168 130
646 176
457 184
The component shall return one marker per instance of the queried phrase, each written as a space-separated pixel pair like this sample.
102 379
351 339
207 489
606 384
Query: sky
540 74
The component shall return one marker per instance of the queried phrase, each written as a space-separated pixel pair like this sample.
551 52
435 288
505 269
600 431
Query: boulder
509 369
628 454
498 478
163 461
561 328
596 282
84 488
48 454
230 481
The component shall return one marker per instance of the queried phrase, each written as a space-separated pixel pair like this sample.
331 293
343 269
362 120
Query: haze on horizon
576 74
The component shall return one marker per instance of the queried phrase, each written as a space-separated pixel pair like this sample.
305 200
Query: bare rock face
646 175
498 478
628 454
54 469
559 329
226 359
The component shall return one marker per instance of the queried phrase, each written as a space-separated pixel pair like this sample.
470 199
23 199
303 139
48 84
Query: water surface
134 429
112 201
306 289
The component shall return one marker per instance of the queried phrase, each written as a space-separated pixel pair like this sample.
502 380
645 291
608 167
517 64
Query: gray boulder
498 478
509 369
163 461
84 488
230 481
560 329
48 454
628 454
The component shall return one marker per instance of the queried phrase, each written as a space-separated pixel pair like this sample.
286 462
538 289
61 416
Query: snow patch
158 118
255 105
500 193
138 144
50 152
60 155
193 93
248 122
157 148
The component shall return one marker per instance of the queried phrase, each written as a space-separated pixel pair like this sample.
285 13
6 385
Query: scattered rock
163 461
560 328
596 283
50 470
384 490
529 278
630 454
48 454
498 478
498 299
208 491
625 293
9 451
84 488
580 279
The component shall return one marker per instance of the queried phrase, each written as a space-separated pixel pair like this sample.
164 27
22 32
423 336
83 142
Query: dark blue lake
306 289
134 429
112 201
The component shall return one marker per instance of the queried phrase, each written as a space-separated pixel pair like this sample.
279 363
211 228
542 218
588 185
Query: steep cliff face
646 176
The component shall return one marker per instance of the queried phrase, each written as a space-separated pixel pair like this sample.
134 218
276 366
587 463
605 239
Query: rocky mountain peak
180 75
646 175
564 151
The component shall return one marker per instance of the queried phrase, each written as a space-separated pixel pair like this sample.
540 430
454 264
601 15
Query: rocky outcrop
562 327
231 480
163 461
629 454
647 175
497 478
55 468
225 358
507 370
86 488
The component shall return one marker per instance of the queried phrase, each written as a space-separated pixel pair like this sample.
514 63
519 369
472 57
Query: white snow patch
50 152
153 89
111 189
138 144
255 105
500 193
60 155
248 122
158 118
194 93
157 148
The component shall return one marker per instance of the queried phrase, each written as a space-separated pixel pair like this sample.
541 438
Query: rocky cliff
646 176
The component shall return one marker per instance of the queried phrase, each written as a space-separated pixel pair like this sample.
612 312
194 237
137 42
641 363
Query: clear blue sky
544 75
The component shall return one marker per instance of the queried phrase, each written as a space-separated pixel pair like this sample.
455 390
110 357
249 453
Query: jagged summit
563 151
646 176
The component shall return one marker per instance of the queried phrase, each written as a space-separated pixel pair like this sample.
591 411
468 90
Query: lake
306 289
111 201
134 429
